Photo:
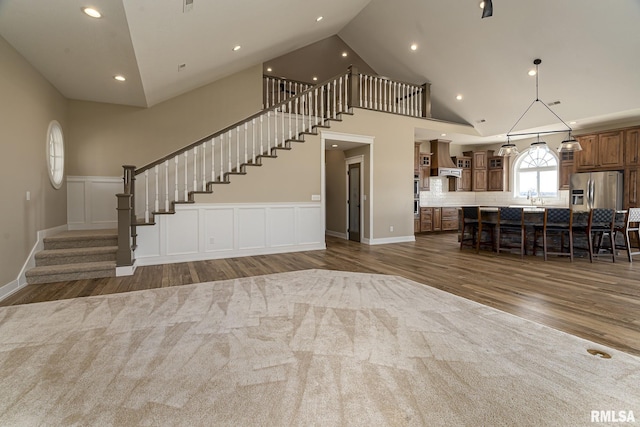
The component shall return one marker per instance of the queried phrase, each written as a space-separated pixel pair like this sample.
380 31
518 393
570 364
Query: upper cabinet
602 151
479 168
632 147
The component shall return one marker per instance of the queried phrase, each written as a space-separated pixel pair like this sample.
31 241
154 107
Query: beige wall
103 137
335 191
29 103
294 176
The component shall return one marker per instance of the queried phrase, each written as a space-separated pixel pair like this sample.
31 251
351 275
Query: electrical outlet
391 228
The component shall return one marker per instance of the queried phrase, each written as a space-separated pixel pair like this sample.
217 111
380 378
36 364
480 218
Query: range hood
441 163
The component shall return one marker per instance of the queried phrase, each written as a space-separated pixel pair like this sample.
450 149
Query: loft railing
156 188
373 93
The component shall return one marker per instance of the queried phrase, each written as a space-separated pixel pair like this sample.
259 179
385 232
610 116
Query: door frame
361 139
347 162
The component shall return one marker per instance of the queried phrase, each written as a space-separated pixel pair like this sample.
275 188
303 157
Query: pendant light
508 149
572 144
569 145
539 148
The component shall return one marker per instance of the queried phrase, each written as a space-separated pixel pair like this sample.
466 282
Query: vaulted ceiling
589 51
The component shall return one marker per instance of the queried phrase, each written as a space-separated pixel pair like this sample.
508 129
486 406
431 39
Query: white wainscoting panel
182 232
282 222
252 228
210 231
91 202
219 225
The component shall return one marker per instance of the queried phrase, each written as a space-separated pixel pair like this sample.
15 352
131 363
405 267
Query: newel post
124 255
426 100
354 87
126 218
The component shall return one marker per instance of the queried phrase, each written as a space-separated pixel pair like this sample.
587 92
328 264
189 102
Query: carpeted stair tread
75 255
81 238
66 272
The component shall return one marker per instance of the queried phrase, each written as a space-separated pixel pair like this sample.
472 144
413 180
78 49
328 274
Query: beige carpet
305 348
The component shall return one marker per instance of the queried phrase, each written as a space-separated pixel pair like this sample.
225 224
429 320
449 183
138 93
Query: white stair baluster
156 204
310 108
261 136
315 105
275 128
229 139
269 132
186 179
245 143
166 185
296 103
253 141
322 102
289 111
204 166
195 168
282 123
340 95
146 195
177 192
213 159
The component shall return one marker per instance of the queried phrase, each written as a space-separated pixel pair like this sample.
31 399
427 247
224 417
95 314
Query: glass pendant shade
539 146
569 145
508 149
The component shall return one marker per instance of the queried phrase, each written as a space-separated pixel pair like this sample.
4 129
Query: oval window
55 154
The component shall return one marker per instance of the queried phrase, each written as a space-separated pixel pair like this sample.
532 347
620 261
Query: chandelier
570 144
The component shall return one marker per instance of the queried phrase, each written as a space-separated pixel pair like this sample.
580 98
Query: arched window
55 154
536 174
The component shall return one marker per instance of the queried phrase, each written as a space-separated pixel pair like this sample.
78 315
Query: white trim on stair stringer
15 285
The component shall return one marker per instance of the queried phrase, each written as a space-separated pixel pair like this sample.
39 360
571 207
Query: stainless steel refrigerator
590 190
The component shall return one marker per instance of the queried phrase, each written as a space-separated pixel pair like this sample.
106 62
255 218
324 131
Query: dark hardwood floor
599 302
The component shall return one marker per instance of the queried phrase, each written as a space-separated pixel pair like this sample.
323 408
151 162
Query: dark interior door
354 202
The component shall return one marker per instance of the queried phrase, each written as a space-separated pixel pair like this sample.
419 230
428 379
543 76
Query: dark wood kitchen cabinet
601 151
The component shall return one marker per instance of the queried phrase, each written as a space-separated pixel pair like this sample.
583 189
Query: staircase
290 113
75 255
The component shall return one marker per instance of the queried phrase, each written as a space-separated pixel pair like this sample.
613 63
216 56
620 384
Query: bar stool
510 222
472 223
601 224
631 224
556 222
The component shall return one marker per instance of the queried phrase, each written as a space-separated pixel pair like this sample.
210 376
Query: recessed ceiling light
119 78
315 79
236 48
319 18
532 72
92 12
481 5
269 69
334 145
414 47
443 134
344 54
459 97
573 122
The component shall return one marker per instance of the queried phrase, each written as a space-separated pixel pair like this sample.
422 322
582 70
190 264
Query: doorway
353 201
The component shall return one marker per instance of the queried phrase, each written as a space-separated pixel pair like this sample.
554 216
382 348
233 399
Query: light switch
315 197
28 195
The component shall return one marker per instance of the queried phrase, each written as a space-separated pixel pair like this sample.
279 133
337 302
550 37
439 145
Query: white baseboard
386 240
337 234
170 259
15 285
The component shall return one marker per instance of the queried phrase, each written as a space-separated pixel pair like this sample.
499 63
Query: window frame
517 170
55 154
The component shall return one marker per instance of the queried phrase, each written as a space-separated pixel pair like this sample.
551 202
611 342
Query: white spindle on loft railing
315 105
310 103
282 123
253 141
339 100
322 103
333 99
290 127
275 128
156 204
